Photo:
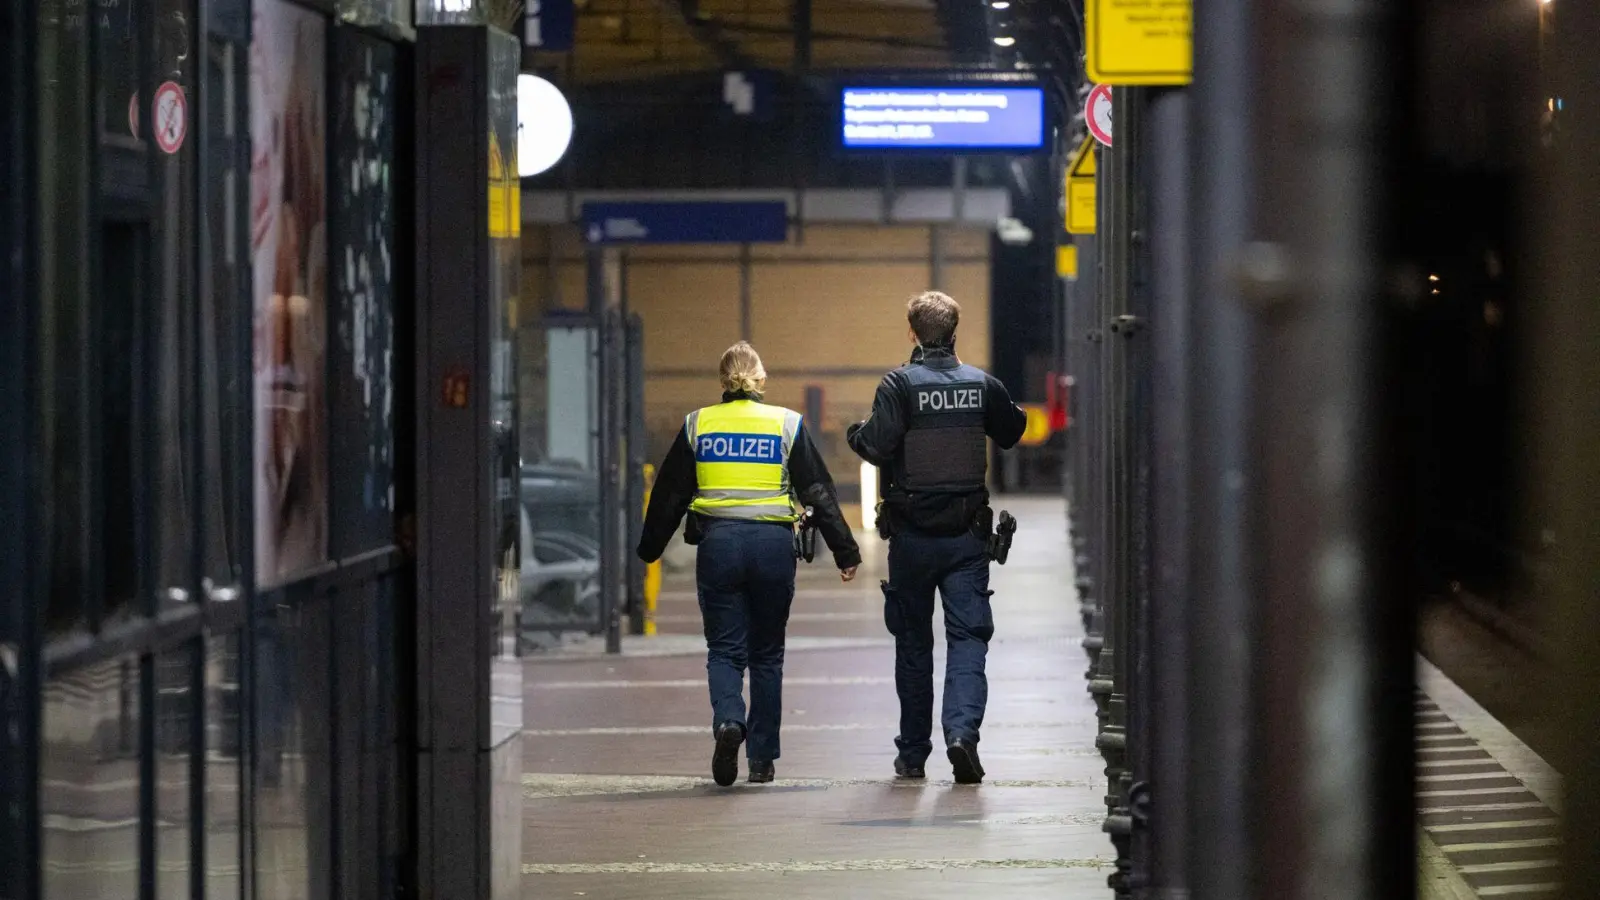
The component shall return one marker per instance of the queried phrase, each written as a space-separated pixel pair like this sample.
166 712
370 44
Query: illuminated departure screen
942 118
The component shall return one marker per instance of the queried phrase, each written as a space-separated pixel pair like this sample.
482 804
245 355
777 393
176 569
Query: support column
1562 347
1333 745
1164 752
469 680
1220 624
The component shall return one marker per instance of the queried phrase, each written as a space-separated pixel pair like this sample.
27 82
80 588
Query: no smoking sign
171 115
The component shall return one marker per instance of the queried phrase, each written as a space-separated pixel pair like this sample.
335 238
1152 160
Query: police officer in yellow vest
742 470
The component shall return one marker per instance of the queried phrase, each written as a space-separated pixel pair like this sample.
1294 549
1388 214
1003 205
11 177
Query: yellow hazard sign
1139 42
1080 190
1067 261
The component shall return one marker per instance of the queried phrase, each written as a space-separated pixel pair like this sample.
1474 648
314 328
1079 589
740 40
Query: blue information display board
942 118
687 222
548 24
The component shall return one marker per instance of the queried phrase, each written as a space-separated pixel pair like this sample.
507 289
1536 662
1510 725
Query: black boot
904 769
964 759
762 771
725 760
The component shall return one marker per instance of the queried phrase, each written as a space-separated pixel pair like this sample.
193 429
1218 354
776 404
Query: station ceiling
636 40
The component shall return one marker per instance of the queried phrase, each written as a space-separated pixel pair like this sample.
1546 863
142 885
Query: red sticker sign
1097 112
457 388
171 116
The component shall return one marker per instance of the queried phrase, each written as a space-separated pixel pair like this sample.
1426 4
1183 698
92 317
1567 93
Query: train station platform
618 797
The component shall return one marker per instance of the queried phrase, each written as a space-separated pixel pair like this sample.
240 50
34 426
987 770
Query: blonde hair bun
741 370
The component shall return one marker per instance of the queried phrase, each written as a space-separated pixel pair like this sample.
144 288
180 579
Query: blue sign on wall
686 222
939 118
548 24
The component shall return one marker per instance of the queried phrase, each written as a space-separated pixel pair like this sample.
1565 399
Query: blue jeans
745 572
959 568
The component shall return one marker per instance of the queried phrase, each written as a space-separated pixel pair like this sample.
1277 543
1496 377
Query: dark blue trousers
958 567
745 572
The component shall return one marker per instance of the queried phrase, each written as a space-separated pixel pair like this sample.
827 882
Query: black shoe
762 771
904 769
725 761
964 759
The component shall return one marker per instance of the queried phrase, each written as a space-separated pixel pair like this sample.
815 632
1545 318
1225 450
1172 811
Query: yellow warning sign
1067 261
505 194
1140 42
1080 190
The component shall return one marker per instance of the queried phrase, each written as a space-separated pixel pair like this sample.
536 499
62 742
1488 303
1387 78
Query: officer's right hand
847 574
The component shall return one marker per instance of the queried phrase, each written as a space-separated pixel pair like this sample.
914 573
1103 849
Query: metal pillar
1080 434
1133 333
633 508
469 686
1164 754
1568 372
611 450
1117 599
1330 751
1220 625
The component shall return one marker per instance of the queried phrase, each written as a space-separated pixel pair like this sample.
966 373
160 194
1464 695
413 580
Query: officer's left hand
847 574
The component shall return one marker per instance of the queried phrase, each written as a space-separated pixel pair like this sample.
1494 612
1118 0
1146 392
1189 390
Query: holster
805 536
693 529
885 519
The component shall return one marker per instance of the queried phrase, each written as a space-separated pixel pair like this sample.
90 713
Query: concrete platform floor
619 801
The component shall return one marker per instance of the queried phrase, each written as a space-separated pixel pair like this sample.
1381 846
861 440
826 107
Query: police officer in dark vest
928 430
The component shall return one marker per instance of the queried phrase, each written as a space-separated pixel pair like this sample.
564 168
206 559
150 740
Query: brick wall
828 310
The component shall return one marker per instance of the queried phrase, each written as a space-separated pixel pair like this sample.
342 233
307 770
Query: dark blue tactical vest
945 450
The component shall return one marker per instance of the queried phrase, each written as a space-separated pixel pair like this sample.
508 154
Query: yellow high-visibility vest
741 454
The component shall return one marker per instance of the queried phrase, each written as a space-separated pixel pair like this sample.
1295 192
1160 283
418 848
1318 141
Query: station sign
686 222
954 118
1139 42
1080 190
548 25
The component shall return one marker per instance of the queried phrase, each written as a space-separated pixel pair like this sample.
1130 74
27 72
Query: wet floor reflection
89 782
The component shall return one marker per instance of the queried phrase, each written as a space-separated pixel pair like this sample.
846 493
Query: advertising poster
288 241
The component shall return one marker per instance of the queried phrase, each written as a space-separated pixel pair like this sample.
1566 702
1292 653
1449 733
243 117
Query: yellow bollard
652 572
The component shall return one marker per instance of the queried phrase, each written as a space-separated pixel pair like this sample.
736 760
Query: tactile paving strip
1501 838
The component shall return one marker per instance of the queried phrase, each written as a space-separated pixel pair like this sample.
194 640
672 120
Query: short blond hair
741 370
934 316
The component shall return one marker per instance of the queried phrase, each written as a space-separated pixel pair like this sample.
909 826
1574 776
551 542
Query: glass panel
64 336
172 354
175 703
225 385
505 270
289 249
293 767
376 12
363 351
89 783
223 699
560 515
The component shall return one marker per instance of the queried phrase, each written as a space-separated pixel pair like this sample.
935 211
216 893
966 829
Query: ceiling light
1005 41
544 125
1001 4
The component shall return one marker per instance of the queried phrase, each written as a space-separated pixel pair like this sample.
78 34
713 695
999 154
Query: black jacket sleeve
809 475
1003 420
669 499
877 440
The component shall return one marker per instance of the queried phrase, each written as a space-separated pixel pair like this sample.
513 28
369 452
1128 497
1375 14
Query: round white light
1005 41
544 125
